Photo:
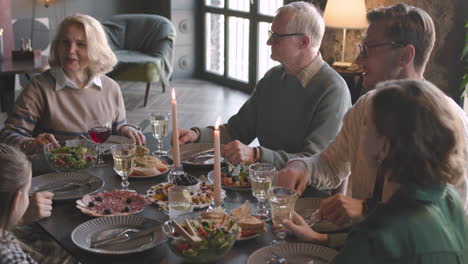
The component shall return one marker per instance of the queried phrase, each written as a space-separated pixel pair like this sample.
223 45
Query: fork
117 237
63 187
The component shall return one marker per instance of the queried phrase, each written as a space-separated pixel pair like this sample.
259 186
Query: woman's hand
133 134
299 227
341 209
187 136
40 206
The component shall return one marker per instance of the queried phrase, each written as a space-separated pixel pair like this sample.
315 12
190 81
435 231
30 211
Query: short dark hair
408 25
426 141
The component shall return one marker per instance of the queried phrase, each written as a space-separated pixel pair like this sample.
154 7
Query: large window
235 36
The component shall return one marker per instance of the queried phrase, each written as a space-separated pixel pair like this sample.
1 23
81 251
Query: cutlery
314 218
275 259
196 154
127 235
70 185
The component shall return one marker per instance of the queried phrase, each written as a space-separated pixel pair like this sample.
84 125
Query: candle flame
218 120
173 94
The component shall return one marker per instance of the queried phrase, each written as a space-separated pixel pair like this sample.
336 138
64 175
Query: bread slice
246 221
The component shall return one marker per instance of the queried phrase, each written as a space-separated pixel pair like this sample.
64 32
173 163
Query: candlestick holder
217 206
175 172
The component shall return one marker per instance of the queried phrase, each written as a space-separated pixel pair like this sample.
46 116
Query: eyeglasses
276 37
364 49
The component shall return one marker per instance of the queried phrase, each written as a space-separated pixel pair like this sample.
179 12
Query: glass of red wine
99 132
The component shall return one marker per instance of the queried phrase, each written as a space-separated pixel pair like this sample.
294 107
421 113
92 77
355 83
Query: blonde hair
101 57
307 19
427 146
15 170
407 24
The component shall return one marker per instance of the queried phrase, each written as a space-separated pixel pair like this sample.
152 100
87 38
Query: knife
124 237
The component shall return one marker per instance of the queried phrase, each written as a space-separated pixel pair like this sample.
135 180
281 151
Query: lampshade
47 3
350 14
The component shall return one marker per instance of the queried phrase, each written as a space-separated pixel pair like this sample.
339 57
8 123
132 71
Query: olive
126 209
90 204
204 224
246 179
234 179
128 201
99 199
107 211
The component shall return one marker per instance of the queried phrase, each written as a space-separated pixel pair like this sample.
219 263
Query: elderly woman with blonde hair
61 102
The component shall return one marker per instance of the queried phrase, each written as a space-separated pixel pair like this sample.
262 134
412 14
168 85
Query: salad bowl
70 155
217 233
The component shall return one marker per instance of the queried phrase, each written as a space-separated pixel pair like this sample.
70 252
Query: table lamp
345 14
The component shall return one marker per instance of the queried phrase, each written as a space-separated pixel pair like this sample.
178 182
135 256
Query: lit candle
175 132
217 164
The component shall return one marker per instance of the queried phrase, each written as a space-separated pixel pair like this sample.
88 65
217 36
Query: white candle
175 132
217 164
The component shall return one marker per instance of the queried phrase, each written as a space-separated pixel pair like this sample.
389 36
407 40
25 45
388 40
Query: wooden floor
199 102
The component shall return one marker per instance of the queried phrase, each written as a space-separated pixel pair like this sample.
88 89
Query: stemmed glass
124 156
261 175
160 124
282 203
99 131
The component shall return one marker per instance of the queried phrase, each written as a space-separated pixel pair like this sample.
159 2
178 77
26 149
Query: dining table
66 217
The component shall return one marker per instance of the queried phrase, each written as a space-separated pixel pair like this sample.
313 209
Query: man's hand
236 152
293 176
133 134
187 136
341 209
40 206
35 145
299 227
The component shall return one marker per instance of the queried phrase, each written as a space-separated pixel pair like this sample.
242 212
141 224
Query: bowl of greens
214 234
71 155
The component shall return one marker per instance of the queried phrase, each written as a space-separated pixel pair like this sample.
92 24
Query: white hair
307 19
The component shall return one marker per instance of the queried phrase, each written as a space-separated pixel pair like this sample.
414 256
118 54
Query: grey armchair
144 46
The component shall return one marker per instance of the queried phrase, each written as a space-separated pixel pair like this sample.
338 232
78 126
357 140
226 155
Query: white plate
294 253
152 191
106 227
82 204
211 179
89 184
306 206
188 151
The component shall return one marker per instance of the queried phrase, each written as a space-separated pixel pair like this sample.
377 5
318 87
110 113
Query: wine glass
282 203
124 156
160 124
99 131
261 175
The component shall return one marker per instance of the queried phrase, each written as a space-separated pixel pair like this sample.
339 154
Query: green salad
216 240
72 158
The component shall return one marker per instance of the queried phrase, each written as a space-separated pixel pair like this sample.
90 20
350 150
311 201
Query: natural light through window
215 3
240 5
214 40
269 7
264 51
238 48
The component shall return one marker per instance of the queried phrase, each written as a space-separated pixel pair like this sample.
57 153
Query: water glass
124 157
282 203
179 201
160 125
261 175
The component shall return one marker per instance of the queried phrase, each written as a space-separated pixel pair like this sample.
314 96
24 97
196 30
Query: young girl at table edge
15 181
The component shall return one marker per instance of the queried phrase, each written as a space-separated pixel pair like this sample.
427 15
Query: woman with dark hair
412 140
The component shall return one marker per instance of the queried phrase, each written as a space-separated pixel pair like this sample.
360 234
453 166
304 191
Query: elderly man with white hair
297 108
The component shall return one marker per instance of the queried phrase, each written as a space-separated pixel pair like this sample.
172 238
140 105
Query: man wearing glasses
397 45
297 107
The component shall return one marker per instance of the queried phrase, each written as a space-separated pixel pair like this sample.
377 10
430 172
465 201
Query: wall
444 67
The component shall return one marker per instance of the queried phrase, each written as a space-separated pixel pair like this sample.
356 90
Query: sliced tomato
182 247
202 232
